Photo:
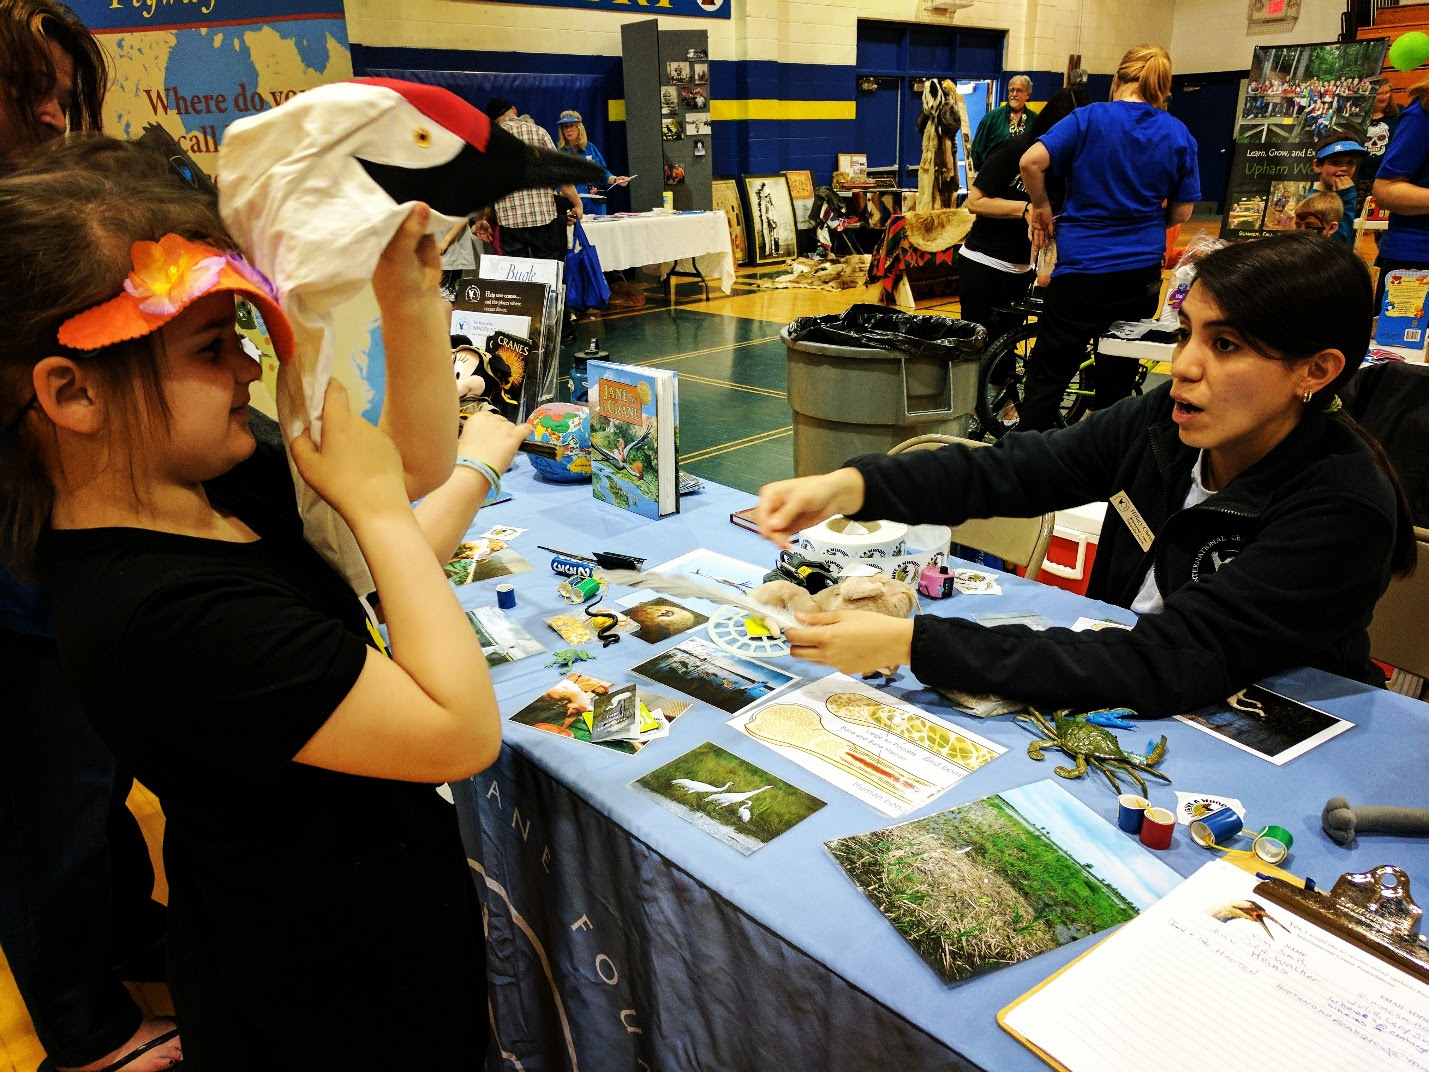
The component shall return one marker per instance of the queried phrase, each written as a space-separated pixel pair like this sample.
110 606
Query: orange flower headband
170 275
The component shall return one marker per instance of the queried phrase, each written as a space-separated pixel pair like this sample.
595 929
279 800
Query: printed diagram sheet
887 753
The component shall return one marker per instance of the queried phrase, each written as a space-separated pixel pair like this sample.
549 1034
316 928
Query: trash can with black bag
867 379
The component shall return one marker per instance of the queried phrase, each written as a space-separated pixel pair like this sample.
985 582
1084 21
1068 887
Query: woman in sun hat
573 140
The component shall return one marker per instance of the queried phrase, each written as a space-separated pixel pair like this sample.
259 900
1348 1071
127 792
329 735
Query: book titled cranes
634 438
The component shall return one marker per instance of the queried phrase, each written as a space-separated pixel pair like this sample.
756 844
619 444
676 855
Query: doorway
1207 104
894 60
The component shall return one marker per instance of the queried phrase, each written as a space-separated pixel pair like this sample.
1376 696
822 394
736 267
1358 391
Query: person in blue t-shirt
1130 170
573 140
1402 186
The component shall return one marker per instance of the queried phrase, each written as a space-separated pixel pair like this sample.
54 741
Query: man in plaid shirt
530 225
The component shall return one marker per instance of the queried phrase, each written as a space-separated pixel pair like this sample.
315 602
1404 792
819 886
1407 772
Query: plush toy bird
315 189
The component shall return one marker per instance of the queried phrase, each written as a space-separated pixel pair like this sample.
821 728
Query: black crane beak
472 180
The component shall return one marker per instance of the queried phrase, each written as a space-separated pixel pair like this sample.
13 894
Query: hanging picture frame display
726 199
801 189
770 217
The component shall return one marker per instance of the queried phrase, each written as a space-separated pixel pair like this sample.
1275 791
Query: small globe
565 427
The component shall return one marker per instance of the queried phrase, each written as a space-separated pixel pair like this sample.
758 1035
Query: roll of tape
1216 828
839 538
1156 828
1273 844
1131 812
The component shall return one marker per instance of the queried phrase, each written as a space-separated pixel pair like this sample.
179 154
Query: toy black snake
606 633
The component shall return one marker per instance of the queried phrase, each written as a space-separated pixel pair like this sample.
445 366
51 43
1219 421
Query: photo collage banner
1296 95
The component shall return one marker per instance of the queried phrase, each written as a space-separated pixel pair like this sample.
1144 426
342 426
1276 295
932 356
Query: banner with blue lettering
193 67
706 9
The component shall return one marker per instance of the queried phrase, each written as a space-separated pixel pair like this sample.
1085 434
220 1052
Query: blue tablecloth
621 937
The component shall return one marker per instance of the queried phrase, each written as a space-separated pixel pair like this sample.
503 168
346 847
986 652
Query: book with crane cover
635 437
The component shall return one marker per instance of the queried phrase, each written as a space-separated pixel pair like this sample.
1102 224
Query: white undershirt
1148 600
994 262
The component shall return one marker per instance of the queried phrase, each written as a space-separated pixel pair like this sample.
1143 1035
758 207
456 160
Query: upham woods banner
707 9
195 66
1295 95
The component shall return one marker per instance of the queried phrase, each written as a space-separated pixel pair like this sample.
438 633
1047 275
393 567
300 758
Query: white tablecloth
659 241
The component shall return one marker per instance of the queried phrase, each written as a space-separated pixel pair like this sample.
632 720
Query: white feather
674 584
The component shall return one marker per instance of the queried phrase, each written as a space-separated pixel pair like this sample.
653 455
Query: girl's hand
621 180
489 437
852 641
357 470
788 506
410 269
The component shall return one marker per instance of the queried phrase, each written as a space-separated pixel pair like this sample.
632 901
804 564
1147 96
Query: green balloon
1409 51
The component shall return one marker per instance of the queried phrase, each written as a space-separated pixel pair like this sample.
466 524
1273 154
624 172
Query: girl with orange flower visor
216 652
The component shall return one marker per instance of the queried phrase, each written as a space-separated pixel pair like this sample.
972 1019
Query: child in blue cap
1337 155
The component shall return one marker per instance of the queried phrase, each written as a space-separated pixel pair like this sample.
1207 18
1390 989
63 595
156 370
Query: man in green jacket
1005 121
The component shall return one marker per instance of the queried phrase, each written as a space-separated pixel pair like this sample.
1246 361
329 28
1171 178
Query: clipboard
1371 910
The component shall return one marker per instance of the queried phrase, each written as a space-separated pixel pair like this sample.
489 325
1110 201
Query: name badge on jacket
1140 530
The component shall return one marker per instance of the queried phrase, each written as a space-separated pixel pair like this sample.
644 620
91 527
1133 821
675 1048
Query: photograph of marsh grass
1003 879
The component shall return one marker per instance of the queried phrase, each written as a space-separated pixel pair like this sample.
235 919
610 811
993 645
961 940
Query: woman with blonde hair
1130 170
573 140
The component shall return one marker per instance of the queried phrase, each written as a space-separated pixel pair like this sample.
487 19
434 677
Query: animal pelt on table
878 593
933 232
938 124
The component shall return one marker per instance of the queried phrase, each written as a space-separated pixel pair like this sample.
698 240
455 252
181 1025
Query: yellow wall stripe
759 109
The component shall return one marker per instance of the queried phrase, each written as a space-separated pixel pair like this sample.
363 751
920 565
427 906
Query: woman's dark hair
68 220
1292 295
1059 105
27 71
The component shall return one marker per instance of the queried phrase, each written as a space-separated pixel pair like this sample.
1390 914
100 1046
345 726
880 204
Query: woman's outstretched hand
852 641
788 506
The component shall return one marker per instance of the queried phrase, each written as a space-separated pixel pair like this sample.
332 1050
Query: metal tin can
572 567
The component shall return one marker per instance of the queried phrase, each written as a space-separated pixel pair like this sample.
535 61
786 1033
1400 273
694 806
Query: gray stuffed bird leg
1343 822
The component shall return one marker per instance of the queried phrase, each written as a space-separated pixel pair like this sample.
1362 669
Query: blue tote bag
586 287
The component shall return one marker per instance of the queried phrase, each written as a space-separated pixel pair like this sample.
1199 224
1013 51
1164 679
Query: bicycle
1000 374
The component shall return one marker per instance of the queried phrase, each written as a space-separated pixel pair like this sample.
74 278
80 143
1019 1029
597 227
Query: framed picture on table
770 218
726 200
